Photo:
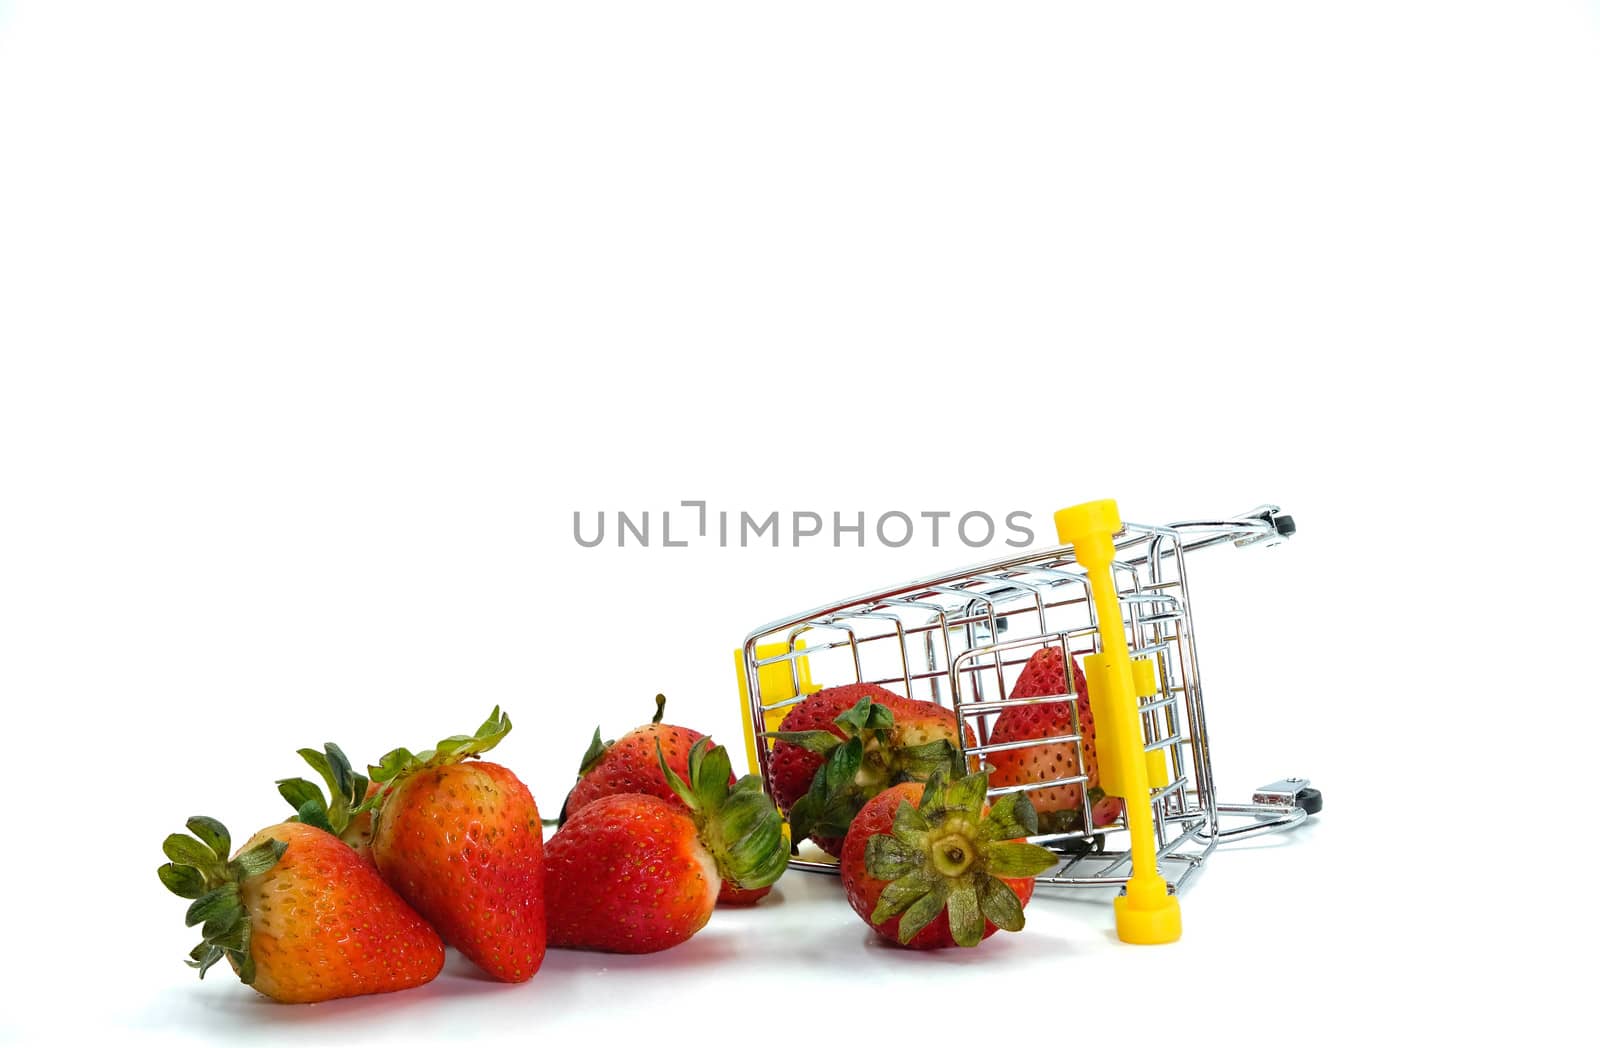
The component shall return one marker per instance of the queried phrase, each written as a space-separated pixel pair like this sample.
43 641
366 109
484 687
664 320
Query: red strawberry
794 765
463 844
628 874
840 747
1060 808
630 765
299 915
945 872
631 873
731 896
341 812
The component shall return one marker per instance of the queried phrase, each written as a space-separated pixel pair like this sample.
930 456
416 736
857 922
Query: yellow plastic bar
776 685
1097 672
1147 912
1144 686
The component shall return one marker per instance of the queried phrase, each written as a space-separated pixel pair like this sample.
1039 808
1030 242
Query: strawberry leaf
224 925
900 894
966 794
1016 859
917 763
459 747
216 901
204 956
966 920
710 774
594 754
319 763
889 859
745 836
400 763
910 826
234 938
933 795
343 779
212 834
697 754
1011 816
864 717
922 912
684 791
999 903
314 813
186 851
186 882
750 783
246 960
823 742
802 816
260 859
298 791
841 767
391 764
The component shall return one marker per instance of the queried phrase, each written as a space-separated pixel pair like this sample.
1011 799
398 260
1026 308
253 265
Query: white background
319 321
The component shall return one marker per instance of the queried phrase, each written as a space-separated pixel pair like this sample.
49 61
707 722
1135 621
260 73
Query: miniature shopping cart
1116 597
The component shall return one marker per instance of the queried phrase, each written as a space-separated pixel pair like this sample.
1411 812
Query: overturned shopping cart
1112 596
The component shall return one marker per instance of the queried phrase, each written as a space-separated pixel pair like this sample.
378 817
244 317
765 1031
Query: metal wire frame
938 638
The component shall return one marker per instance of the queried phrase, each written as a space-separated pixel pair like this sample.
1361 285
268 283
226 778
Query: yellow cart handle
1147 911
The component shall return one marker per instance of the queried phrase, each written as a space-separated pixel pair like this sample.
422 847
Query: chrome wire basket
961 639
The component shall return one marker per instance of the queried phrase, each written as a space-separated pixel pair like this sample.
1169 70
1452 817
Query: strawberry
298 914
731 896
793 764
629 765
464 845
840 747
945 872
339 813
632 873
1060 808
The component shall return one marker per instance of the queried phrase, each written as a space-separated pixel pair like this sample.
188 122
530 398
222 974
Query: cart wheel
1071 847
1075 846
1309 800
1284 525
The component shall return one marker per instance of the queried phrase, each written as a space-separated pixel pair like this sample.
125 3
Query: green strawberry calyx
201 870
858 767
347 789
738 824
400 764
946 855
